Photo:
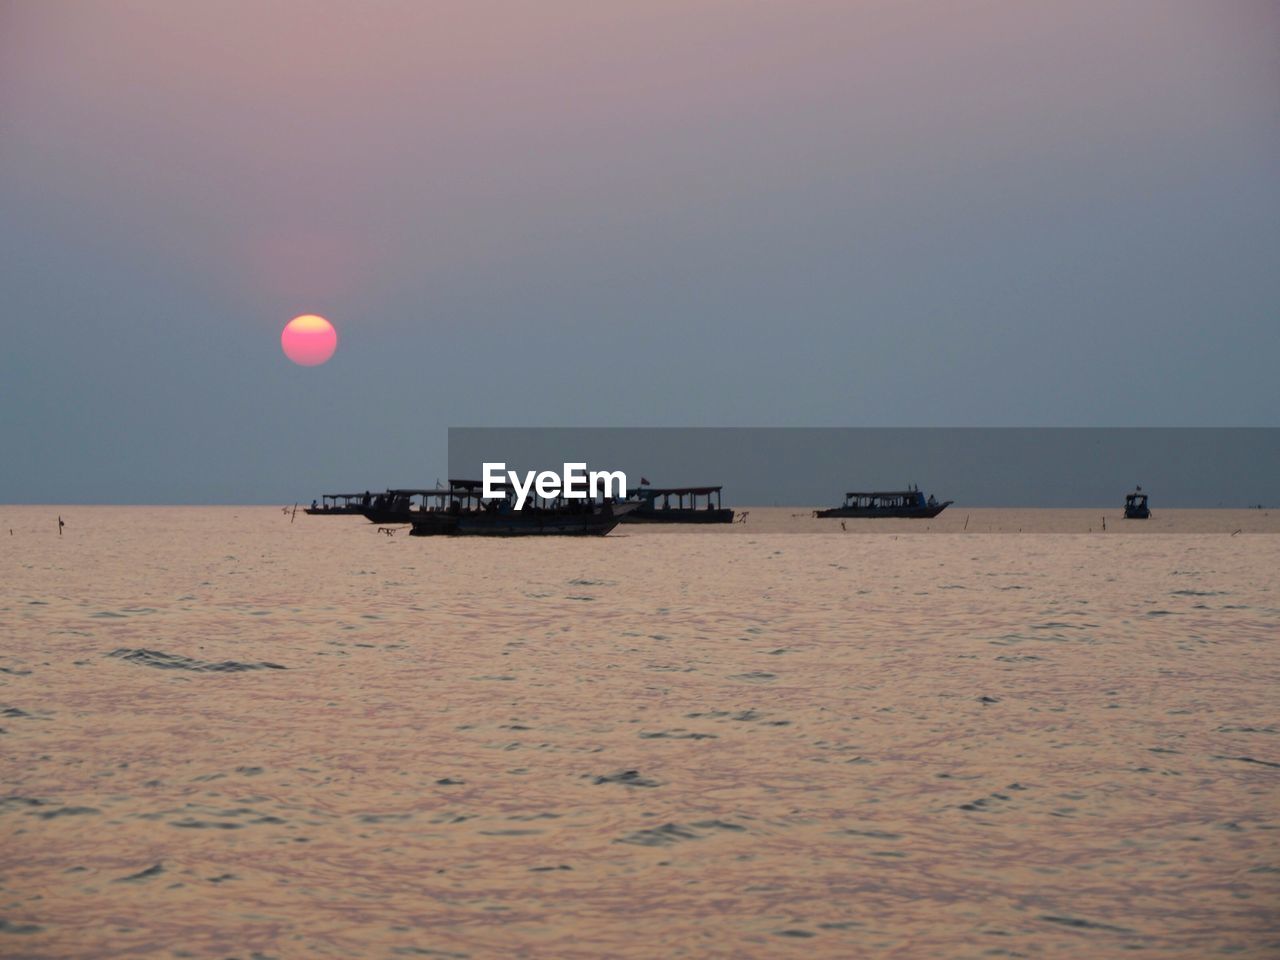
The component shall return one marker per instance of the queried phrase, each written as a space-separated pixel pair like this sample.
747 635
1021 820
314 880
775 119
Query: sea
247 732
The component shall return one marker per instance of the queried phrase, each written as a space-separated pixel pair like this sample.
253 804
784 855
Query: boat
1135 505
338 504
463 510
650 511
887 503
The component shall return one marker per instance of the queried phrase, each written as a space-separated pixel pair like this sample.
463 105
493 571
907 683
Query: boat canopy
881 494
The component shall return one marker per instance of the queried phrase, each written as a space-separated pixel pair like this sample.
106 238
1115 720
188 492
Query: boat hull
385 515
643 515
522 523
861 513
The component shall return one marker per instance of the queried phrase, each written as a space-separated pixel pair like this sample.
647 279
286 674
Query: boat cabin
458 496
418 500
1135 506
887 500
337 503
709 496
468 495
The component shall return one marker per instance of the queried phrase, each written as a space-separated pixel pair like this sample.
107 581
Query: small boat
1135 506
650 511
887 503
338 504
462 510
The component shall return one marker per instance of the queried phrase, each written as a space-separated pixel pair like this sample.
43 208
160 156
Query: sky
657 213
1055 467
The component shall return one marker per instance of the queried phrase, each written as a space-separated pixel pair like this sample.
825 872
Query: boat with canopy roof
909 503
463 510
672 508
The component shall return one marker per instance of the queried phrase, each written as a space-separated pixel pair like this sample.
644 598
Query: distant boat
651 511
463 511
887 503
1135 506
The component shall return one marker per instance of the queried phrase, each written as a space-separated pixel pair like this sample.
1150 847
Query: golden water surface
230 734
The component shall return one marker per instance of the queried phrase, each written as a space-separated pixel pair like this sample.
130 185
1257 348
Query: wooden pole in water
966 521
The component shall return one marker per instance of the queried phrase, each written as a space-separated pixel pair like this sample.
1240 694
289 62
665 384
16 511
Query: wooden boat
650 511
887 503
463 511
338 505
1135 506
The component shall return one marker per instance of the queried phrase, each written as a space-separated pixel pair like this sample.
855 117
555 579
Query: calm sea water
226 734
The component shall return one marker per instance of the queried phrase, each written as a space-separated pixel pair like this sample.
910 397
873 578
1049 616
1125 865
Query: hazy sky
1195 467
667 212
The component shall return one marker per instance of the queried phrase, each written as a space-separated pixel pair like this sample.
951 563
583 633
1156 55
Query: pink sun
309 340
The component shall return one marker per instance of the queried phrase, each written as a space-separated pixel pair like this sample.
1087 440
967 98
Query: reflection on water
228 735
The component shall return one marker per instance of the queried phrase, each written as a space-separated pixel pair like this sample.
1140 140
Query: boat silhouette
887 503
1135 505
